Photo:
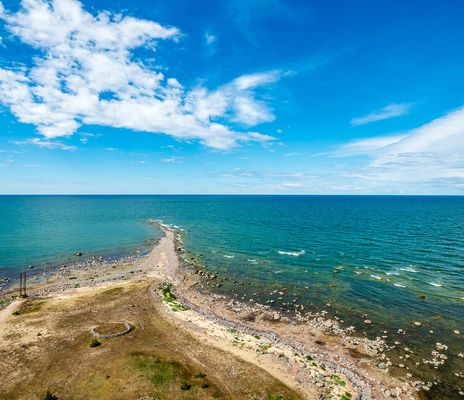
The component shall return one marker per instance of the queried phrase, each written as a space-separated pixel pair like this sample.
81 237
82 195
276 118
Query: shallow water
394 259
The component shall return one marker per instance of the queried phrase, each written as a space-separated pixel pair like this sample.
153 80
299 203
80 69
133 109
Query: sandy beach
307 358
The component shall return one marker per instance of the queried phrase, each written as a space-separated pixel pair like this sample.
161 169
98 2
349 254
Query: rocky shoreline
309 334
313 348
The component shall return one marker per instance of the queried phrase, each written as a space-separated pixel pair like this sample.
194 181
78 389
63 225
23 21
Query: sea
394 260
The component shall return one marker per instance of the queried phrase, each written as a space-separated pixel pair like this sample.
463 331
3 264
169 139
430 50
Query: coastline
314 359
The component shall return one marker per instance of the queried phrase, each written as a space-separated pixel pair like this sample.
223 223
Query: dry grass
46 347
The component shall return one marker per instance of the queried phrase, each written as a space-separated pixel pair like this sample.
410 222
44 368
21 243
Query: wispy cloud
172 159
389 111
292 185
369 146
433 152
209 38
86 75
46 144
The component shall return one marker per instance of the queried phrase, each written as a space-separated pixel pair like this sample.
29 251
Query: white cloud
292 185
368 146
237 99
254 80
209 38
431 152
172 160
46 144
389 111
86 75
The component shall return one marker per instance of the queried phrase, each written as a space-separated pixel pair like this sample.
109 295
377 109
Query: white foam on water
399 285
435 284
292 253
228 256
252 261
408 269
376 277
278 272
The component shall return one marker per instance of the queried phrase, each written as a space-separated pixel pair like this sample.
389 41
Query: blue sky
232 96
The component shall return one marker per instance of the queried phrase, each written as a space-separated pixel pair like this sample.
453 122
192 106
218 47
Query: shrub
186 386
200 375
94 343
50 396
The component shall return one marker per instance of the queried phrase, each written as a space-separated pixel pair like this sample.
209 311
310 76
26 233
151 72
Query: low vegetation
338 380
170 298
152 363
28 307
50 396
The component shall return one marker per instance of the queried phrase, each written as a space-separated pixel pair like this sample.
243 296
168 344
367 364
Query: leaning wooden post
20 284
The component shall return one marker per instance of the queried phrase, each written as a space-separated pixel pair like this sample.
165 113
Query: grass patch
185 386
94 343
338 380
265 346
275 397
346 396
30 306
169 377
170 298
158 371
178 307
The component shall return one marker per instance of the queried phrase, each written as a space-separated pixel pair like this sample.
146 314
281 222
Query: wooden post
22 284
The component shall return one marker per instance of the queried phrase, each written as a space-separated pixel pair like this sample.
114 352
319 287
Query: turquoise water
396 259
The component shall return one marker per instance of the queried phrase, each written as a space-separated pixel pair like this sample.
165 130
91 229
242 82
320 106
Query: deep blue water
396 259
